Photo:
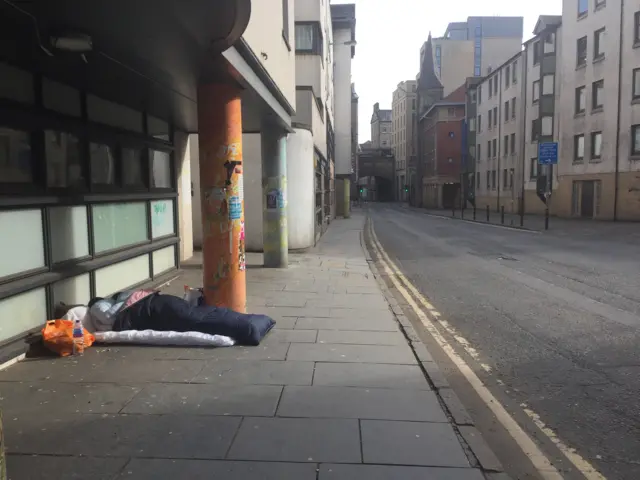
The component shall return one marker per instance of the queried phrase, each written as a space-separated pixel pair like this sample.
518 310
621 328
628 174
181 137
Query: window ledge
600 7
582 66
578 162
636 43
579 114
634 157
582 16
597 110
636 101
595 160
599 58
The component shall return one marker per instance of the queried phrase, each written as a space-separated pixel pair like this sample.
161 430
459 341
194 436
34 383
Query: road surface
552 318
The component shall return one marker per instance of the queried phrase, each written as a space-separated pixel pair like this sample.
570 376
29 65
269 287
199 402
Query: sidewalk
336 392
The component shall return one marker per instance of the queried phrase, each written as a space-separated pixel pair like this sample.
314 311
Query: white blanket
153 337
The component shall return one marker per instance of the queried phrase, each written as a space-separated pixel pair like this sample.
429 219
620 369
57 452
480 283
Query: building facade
311 195
441 137
403 121
381 127
598 117
343 19
97 187
474 48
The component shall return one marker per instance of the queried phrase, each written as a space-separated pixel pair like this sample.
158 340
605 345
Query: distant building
381 127
474 48
441 137
403 108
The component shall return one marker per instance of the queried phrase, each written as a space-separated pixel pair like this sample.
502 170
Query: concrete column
274 193
222 196
347 197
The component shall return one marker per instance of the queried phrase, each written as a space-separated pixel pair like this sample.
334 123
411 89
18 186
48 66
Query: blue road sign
548 153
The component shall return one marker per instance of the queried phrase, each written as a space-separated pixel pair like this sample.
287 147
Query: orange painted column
222 196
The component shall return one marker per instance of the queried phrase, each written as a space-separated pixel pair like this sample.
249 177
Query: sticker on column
242 262
235 208
272 199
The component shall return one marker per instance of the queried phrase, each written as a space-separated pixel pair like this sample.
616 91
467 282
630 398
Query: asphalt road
554 316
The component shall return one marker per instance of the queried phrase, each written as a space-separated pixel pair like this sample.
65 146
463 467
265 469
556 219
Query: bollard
487 213
453 210
474 212
546 218
462 212
502 215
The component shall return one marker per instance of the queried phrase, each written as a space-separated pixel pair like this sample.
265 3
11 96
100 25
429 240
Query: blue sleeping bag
170 313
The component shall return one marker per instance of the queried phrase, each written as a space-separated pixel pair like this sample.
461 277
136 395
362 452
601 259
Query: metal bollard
546 218
487 213
474 212
502 215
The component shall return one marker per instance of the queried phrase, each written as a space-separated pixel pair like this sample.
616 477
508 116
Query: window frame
577 159
599 43
536 52
535 98
581 60
635 92
592 155
636 28
317 40
585 12
635 149
595 87
580 92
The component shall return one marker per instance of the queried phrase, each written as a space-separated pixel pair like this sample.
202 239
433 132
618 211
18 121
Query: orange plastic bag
57 336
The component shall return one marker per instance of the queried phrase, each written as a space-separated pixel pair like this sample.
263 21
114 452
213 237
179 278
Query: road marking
526 444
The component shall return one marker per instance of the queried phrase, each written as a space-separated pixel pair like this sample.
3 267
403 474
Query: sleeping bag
150 310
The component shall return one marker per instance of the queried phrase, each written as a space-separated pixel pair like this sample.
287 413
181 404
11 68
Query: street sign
548 153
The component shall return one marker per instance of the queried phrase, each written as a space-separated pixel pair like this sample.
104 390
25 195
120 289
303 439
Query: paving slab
360 337
411 443
164 436
256 372
394 354
385 472
297 440
279 312
201 399
43 467
371 375
360 302
261 352
354 402
154 469
283 335
25 398
347 324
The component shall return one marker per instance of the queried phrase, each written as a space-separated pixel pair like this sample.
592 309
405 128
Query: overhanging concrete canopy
147 54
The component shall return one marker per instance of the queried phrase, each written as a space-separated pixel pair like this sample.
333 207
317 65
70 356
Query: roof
428 78
545 21
456 98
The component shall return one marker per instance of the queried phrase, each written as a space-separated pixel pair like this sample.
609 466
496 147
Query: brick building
442 136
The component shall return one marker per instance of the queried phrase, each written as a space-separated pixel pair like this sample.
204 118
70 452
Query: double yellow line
423 309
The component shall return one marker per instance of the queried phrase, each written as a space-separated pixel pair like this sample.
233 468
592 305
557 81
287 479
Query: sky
390 33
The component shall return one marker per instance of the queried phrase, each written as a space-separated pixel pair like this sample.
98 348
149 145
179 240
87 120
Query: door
586 199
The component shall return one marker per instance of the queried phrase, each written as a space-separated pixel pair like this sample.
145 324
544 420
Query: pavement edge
476 448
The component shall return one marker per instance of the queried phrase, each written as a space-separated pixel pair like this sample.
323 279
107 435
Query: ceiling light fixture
73 42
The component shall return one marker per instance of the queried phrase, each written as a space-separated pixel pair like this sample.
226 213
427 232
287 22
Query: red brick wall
448 147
